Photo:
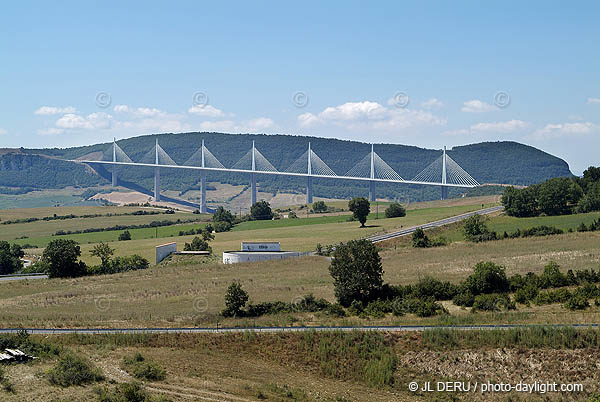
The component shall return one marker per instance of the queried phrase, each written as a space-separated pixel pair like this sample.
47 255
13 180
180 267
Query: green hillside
489 162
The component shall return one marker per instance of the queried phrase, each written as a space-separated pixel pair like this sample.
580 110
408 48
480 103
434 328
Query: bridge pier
372 191
253 189
156 184
309 190
114 176
444 192
203 208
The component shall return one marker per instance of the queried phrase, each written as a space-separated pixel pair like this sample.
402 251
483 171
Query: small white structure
164 250
257 251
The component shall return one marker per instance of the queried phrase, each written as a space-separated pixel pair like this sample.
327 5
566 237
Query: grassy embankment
313 366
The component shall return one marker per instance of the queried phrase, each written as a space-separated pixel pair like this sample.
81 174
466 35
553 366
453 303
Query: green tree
395 210
125 236
261 211
10 258
360 208
520 202
558 196
197 244
223 215
104 252
420 239
60 256
235 300
357 272
319 206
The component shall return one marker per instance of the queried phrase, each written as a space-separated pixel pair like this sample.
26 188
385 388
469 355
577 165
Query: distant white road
21 277
435 224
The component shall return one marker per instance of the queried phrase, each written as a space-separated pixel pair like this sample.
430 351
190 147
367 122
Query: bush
199 244
422 307
493 302
542 230
464 298
395 210
223 215
128 392
125 236
429 287
552 277
487 278
223 226
357 272
336 310
144 369
60 257
577 302
420 239
235 300
475 229
74 370
120 264
319 206
526 294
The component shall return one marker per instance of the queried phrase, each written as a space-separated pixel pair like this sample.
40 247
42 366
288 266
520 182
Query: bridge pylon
444 175
156 175
372 196
309 190
114 159
253 177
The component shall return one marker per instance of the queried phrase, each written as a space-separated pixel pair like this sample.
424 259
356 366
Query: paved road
435 224
401 328
21 277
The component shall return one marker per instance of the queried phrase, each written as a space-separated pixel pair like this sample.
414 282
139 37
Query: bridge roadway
233 330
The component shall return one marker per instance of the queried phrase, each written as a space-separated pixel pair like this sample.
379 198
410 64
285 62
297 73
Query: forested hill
489 162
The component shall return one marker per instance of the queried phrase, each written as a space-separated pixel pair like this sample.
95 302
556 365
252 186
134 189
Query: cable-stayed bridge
443 172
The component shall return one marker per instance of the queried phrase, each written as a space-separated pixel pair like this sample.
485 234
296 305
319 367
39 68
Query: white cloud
52 110
140 112
593 100
354 111
501 126
477 106
98 120
261 123
3 131
559 130
509 126
369 115
206 111
432 103
51 131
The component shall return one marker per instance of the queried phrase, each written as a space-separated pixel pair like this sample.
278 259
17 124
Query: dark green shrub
336 310
552 277
577 302
493 302
222 226
10 258
464 298
542 230
420 239
526 294
435 288
426 307
356 307
261 211
395 210
144 369
74 370
487 278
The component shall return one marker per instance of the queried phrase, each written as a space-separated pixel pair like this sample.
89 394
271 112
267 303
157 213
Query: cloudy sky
425 73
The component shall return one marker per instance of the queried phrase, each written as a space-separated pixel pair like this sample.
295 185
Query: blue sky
428 73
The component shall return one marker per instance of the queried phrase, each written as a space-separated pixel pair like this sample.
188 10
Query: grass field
294 234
